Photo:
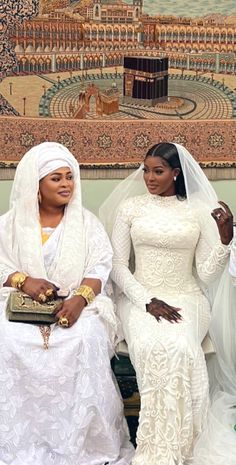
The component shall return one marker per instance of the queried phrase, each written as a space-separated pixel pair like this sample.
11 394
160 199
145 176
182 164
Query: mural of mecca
119 59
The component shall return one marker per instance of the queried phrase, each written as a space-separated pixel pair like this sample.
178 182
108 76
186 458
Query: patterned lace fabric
232 266
5 271
169 362
60 406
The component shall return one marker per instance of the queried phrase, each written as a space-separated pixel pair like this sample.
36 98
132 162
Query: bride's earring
175 177
39 197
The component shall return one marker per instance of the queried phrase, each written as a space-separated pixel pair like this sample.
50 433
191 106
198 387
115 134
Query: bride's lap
146 336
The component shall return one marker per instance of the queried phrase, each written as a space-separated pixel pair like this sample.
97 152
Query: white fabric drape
58 406
23 231
201 199
232 263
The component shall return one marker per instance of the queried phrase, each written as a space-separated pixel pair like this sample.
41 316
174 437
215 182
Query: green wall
94 192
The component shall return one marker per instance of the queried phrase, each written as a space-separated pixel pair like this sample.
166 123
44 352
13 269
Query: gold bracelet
18 280
86 292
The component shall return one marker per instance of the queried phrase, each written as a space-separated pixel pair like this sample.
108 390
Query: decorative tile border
125 142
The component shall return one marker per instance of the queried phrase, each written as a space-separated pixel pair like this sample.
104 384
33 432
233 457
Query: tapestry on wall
108 78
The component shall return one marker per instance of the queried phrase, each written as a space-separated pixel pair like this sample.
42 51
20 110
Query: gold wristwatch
18 280
86 292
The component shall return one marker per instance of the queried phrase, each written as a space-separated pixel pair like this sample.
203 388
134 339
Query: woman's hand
39 289
224 220
160 309
70 309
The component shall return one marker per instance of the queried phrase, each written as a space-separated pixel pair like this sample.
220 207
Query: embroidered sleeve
7 264
5 271
121 275
232 261
210 262
99 252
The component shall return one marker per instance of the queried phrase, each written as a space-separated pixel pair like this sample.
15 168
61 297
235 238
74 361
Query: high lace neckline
165 200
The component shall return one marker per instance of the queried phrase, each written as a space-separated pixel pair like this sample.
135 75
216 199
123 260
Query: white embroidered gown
61 406
171 371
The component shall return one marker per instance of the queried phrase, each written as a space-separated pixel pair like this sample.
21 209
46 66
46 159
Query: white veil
222 368
23 228
198 189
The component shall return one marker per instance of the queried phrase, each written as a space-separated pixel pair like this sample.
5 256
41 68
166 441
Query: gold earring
39 197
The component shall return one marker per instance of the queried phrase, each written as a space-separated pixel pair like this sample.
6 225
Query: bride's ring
63 321
218 216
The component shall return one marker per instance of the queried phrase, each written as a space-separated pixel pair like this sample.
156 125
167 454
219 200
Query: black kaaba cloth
145 79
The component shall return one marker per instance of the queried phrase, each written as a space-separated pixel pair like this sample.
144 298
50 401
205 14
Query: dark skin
56 190
159 179
224 220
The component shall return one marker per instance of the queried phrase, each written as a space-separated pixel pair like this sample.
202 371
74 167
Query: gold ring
42 297
63 321
49 292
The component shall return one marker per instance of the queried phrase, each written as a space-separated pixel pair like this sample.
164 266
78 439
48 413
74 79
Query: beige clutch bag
23 309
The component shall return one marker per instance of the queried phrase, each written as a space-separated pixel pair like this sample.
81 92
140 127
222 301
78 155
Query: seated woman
179 248
58 406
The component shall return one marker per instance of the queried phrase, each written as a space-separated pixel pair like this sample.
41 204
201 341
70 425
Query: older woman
59 404
164 210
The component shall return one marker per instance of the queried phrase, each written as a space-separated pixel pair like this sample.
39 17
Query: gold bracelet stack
18 280
86 292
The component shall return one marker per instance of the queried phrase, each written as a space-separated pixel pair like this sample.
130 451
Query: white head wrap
53 156
36 164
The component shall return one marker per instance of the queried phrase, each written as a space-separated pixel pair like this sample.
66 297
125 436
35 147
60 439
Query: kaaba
145 80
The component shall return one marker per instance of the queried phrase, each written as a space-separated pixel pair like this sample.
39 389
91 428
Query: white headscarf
53 156
24 230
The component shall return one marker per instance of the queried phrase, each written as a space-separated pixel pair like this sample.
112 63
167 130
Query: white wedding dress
169 241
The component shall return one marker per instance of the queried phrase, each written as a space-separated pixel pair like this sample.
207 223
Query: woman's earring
39 197
175 177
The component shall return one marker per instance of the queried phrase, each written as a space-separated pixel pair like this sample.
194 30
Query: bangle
86 292
18 280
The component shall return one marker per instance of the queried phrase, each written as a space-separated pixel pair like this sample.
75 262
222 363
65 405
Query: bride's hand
161 309
224 220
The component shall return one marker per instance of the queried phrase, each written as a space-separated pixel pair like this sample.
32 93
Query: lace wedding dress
169 242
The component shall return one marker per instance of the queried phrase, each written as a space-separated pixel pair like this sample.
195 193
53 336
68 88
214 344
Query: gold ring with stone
49 292
42 297
63 321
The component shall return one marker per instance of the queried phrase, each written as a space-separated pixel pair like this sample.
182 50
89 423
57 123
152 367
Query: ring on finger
42 297
49 292
63 322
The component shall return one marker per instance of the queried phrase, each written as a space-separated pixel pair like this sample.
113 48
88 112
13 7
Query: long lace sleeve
121 275
232 261
210 261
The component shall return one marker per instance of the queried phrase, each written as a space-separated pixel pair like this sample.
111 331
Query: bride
180 236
